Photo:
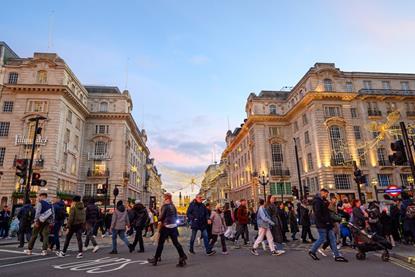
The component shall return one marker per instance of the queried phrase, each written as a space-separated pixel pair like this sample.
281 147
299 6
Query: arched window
103 107
328 85
100 148
337 144
13 76
272 109
42 77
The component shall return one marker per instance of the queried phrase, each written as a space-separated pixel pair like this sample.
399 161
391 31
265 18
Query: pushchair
365 242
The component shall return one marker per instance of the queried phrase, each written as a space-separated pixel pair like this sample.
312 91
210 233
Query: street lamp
374 183
264 181
410 180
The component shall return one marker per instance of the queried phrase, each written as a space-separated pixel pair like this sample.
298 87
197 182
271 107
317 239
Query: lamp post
37 132
374 183
410 180
107 174
264 180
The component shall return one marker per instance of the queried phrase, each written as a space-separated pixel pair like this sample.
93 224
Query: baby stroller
365 242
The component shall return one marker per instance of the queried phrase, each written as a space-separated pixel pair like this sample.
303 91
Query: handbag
45 215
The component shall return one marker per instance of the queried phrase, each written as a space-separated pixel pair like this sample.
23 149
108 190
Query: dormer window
328 85
272 109
13 76
42 77
103 107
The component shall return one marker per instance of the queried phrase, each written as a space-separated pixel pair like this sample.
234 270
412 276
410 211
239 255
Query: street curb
9 243
409 260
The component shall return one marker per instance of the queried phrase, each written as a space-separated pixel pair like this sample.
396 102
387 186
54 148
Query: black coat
228 217
198 215
92 214
305 216
276 230
139 216
322 213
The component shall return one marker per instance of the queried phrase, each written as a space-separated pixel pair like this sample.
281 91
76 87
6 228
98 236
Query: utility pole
37 132
298 170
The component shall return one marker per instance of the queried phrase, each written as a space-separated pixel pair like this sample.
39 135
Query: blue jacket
198 215
263 219
59 210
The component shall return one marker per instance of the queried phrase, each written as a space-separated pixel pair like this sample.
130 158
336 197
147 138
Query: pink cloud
164 155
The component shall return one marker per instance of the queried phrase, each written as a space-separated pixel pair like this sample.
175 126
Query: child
345 231
218 228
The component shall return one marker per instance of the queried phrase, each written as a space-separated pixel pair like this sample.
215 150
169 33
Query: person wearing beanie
76 222
119 223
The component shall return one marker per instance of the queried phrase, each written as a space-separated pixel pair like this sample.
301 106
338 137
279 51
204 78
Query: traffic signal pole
408 148
298 170
29 178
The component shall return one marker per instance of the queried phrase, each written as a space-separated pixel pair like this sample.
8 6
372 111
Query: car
181 220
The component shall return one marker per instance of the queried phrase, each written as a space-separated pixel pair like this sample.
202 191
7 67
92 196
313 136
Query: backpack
410 212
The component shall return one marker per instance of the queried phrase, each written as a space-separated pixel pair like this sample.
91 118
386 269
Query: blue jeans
205 240
56 228
322 238
121 234
279 246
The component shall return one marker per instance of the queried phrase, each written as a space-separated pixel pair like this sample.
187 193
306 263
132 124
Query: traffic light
399 155
104 189
36 181
295 192
21 168
306 191
359 178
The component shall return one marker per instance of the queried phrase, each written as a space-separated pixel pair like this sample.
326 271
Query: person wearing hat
43 218
138 222
76 222
118 226
167 226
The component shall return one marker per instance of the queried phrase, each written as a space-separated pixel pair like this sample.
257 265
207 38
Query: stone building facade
335 117
214 186
88 136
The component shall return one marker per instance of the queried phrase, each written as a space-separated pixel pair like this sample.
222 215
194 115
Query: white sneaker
339 246
95 250
60 254
198 241
43 253
280 252
321 251
80 255
28 252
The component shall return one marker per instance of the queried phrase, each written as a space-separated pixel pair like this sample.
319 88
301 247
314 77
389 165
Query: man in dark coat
324 226
25 216
92 215
198 215
305 222
138 222
242 217
60 216
4 222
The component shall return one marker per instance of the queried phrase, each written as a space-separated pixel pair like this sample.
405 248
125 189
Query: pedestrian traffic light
21 168
399 155
359 177
104 189
306 191
295 192
36 181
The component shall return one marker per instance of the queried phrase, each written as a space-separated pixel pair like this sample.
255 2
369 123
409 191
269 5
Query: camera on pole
399 156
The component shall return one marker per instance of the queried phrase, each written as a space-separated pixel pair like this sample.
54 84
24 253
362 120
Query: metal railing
388 92
374 113
279 172
99 157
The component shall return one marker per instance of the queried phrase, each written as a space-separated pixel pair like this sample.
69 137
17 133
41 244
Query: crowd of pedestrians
231 223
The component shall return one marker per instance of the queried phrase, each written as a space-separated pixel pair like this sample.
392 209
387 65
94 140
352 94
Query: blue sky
192 64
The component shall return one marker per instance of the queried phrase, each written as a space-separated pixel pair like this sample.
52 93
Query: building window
13 76
276 155
4 129
90 189
100 148
367 84
349 87
405 86
362 156
76 142
274 131
67 136
384 180
78 123
2 154
103 107
305 119
101 129
295 126
328 85
342 181
332 111
337 144
272 109
310 162
8 106
404 180
37 106
381 152
386 85
69 116
42 77
353 112
396 132
306 138
357 133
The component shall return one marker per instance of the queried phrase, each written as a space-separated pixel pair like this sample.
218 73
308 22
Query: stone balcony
99 157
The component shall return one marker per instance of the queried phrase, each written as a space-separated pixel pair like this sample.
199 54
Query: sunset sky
192 64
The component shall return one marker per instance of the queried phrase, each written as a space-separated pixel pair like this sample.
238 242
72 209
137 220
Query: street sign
393 190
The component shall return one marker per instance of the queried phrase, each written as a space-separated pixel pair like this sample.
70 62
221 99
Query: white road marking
101 265
17 252
15 257
30 261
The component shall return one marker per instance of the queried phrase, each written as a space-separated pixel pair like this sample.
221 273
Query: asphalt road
239 262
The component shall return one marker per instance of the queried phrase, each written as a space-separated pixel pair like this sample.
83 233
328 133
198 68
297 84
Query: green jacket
77 214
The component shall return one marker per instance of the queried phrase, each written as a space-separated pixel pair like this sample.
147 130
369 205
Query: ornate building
214 186
88 138
335 118
154 185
